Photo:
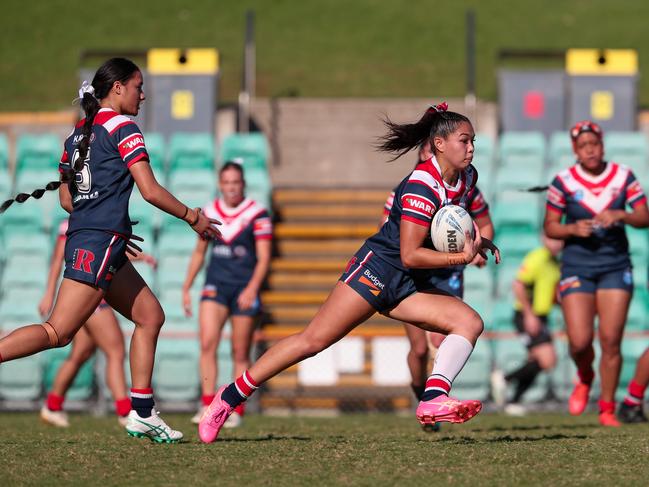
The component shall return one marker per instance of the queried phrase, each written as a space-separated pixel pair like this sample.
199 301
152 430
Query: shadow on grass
269 437
536 427
467 440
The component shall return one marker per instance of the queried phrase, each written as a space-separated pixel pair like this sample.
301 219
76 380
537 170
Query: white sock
452 354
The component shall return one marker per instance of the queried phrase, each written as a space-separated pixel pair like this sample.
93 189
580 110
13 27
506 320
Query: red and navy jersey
417 198
233 254
578 195
103 187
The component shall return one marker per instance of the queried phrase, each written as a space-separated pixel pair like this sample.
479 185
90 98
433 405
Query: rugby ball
449 227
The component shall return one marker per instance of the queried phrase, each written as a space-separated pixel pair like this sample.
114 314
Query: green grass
326 48
373 449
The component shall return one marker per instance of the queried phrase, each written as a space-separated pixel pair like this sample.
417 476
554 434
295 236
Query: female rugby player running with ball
397 262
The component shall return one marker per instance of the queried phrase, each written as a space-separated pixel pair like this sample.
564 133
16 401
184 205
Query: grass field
326 48
542 449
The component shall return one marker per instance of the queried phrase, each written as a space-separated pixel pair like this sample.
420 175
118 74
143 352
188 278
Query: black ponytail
402 138
113 70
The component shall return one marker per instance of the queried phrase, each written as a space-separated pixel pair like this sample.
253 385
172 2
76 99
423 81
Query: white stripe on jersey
596 203
233 220
114 122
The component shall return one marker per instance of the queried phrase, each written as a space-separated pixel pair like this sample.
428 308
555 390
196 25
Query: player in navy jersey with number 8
103 157
391 274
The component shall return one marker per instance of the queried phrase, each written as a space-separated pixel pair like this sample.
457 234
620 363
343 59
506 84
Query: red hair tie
442 107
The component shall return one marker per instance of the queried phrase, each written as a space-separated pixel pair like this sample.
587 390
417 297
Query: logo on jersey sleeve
130 144
418 204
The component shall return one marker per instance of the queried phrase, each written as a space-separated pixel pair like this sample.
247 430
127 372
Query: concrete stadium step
309 265
365 212
342 399
310 196
281 280
345 247
324 230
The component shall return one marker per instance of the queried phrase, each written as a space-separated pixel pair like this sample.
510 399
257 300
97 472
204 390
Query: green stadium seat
638 242
191 151
38 151
203 181
26 244
24 218
26 271
517 211
505 276
560 153
28 180
473 381
144 213
501 315
6 183
19 305
508 178
176 377
628 148
483 160
155 146
83 385
522 149
632 348
252 148
515 244
21 380
171 299
4 152
637 316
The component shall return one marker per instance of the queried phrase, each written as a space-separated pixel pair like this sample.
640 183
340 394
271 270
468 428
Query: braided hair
113 70
436 122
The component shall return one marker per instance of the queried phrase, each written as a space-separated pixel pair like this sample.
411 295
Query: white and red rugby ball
449 227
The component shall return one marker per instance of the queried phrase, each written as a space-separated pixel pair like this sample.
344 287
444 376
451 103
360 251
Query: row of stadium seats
186 162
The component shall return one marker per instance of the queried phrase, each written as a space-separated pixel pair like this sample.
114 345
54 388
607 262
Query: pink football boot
213 418
448 409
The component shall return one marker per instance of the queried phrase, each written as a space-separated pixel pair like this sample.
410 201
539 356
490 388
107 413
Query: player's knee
153 320
56 339
240 354
82 356
609 345
419 351
474 325
311 345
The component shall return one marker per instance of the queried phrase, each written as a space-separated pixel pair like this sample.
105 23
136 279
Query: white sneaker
515 409
55 418
153 428
196 418
234 421
498 387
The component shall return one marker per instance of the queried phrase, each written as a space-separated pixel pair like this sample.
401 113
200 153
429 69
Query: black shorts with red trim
381 284
94 256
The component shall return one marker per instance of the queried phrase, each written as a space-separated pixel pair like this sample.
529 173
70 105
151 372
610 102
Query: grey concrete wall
326 142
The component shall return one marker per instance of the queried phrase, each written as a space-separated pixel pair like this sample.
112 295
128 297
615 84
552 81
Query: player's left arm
486 227
65 198
249 294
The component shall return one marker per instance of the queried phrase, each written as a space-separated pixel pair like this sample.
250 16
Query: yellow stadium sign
603 62
182 61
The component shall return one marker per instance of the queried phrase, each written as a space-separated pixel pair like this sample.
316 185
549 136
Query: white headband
86 87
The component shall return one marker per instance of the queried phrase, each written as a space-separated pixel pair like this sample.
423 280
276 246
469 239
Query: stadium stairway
317 232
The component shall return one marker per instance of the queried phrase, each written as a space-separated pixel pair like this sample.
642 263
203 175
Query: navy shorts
227 295
94 256
588 281
531 341
381 284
